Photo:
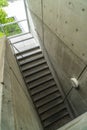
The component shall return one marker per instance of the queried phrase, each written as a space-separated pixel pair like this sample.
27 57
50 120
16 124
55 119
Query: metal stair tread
42 87
55 117
31 59
29 54
33 64
48 99
36 76
44 93
50 105
53 111
35 70
58 123
40 81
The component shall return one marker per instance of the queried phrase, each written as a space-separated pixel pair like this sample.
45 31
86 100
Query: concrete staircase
42 87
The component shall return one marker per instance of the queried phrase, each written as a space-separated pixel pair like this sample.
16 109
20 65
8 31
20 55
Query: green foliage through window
3 3
1 34
11 29
3 16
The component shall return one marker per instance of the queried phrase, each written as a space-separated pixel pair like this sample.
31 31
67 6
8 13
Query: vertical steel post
27 17
2 28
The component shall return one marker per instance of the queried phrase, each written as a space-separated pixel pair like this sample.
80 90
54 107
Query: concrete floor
23 42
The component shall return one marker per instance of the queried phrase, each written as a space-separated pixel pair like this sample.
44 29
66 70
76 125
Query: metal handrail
11 23
2 25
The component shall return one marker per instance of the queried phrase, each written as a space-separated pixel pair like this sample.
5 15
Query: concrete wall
16 108
61 26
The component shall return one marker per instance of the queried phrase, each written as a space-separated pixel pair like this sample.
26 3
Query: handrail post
27 15
2 28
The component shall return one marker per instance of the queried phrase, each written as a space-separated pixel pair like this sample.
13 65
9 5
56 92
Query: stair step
37 76
40 81
33 64
29 55
35 58
48 99
58 123
52 111
44 93
28 50
57 116
43 87
50 105
35 70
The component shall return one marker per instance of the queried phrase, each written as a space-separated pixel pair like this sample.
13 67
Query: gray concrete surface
16 108
63 38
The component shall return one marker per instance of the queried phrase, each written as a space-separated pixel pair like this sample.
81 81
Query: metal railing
13 28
